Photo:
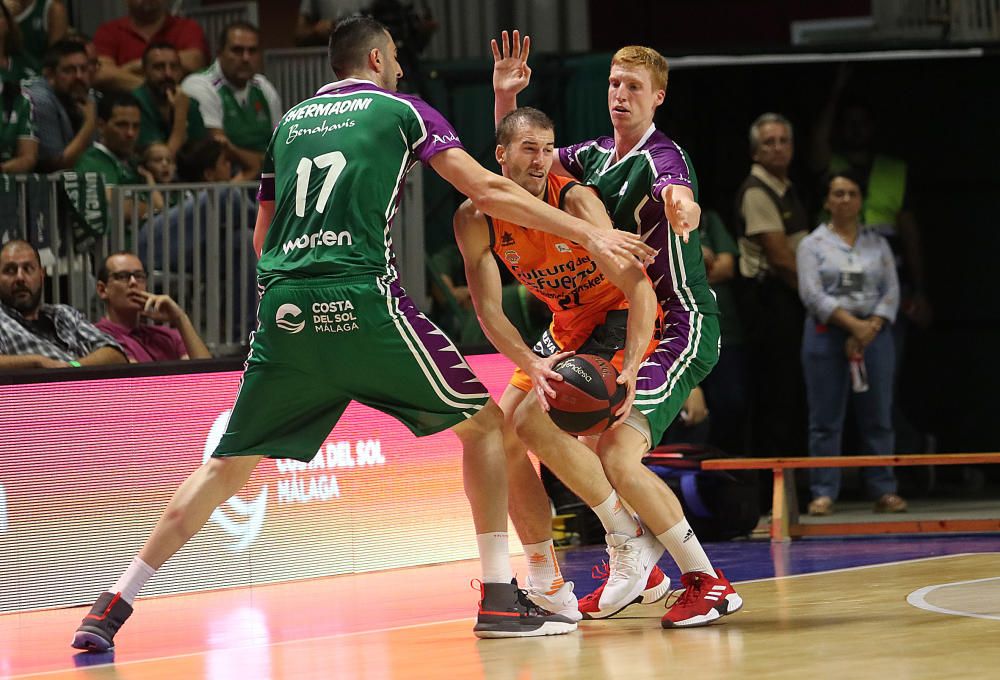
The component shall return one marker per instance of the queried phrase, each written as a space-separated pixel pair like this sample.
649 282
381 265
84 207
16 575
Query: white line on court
918 599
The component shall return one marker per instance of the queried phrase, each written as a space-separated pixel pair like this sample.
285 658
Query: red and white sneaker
656 588
703 600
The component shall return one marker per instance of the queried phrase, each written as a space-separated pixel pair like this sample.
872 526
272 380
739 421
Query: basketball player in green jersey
647 184
334 324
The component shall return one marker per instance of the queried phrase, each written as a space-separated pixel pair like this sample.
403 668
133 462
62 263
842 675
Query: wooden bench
784 510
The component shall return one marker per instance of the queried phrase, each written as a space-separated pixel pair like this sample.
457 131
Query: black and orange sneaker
97 630
656 588
505 611
703 600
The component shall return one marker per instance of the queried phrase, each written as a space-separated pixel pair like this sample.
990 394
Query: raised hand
511 72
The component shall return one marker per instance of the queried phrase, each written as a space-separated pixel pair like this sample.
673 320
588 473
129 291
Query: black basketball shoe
505 611
97 630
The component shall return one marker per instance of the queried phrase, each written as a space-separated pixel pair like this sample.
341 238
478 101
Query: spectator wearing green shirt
113 155
18 141
239 105
168 114
15 65
725 387
41 23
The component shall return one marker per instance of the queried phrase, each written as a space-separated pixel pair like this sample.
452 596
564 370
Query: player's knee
529 423
489 420
230 474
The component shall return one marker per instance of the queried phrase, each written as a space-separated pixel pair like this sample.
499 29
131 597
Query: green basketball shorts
321 343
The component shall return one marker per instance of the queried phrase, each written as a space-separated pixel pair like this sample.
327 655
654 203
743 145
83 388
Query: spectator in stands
65 110
726 386
847 281
206 160
42 23
771 222
36 335
121 283
18 141
158 165
122 42
15 65
239 105
317 18
168 114
113 156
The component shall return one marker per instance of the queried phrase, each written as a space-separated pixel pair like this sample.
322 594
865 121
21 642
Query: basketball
587 396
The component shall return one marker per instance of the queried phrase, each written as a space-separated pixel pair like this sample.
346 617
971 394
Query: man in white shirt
239 105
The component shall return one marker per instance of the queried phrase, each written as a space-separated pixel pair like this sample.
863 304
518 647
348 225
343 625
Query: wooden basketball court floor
917 607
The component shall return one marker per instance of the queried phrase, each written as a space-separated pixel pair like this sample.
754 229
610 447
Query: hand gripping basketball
588 395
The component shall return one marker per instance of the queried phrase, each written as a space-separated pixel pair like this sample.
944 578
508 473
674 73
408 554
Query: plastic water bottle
859 374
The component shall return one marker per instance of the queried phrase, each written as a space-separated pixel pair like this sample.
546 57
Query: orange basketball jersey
560 273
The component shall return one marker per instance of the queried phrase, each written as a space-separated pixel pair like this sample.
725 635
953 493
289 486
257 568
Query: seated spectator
113 156
121 283
122 42
168 115
847 281
15 65
239 105
158 165
317 18
206 161
36 335
18 142
41 22
65 110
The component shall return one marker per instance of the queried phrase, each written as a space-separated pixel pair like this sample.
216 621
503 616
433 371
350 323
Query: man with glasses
121 283
37 335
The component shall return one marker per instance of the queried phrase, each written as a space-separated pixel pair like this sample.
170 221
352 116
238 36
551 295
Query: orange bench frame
784 510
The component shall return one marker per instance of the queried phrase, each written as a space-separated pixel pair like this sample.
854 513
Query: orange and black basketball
587 396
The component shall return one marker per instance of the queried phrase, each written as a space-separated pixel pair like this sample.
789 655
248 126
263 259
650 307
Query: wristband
75 364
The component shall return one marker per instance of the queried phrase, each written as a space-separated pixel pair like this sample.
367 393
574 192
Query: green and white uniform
631 189
334 323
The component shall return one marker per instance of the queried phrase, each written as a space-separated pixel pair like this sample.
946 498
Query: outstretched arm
483 276
682 211
495 195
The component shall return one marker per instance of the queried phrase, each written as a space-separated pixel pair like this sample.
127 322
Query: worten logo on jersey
323 237
288 318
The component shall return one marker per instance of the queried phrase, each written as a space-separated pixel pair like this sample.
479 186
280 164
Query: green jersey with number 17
335 168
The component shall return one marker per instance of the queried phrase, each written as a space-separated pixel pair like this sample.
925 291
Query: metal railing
297 72
214 18
946 20
198 248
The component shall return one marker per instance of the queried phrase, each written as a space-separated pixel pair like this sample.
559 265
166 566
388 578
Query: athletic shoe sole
732 605
648 596
91 642
499 630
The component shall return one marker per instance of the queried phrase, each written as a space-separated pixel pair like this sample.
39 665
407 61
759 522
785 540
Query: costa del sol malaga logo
287 318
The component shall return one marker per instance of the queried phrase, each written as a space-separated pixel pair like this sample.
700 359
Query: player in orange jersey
609 313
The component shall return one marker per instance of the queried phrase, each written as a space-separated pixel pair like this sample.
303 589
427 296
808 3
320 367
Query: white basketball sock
494 557
615 517
685 548
132 581
543 568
